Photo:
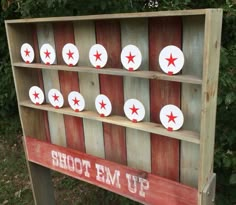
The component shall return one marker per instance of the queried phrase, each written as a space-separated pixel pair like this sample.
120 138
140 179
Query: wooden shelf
113 16
155 128
114 71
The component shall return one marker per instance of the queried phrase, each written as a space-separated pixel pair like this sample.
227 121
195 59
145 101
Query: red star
55 97
47 54
103 105
27 52
76 102
36 95
98 56
171 60
70 54
130 58
171 117
134 110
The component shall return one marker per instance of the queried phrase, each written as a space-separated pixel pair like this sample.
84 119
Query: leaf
230 98
233 179
227 162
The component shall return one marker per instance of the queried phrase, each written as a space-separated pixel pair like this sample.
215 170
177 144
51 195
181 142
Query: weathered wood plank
113 16
193 43
212 38
89 87
138 143
165 152
155 128
51 80
40 78
63 34
208 194
119 72
108 35
135 184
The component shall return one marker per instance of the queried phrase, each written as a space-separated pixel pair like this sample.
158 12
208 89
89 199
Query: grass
15 186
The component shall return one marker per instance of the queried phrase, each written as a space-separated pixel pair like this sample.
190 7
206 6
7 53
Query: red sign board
135 184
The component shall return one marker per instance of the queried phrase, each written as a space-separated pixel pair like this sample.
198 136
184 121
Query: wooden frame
164 167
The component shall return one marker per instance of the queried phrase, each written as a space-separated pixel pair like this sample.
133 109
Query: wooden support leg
208 194
41 183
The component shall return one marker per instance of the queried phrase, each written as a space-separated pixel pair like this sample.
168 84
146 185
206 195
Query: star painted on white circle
36 95
98 56
27 53
76 101
47 54
134 110
103 105
70 54
171 60
131 57
171 117
55 98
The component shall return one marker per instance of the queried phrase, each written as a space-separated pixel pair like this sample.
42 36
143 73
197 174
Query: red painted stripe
69 81
165 151
40 78
108 34
109 175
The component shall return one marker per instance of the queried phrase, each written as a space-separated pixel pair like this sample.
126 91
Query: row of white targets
171 116
171 58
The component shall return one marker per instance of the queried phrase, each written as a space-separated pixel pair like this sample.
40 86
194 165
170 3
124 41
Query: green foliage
31 8
7 91
225 149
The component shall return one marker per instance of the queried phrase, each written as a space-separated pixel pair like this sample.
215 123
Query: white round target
171 59
55 98
131 57
103 105
47 54
76 101
171 117
36 95
27 53
98 56
70 54
134 110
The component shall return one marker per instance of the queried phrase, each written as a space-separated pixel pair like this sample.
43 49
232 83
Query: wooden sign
136 184
126 102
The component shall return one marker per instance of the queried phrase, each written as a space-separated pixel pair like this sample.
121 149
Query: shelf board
114 16
114 71
155 128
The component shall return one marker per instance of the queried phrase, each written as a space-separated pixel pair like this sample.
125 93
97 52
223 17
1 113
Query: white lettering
70 163
55 161
87 165
112 179
144 185
100 173
78 166
62 160
132 183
